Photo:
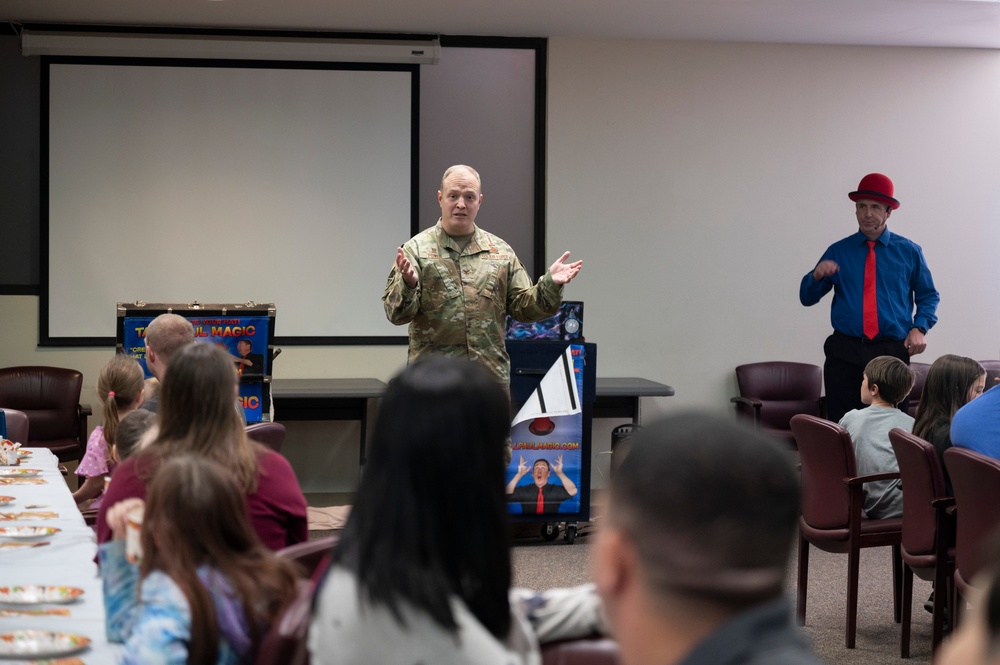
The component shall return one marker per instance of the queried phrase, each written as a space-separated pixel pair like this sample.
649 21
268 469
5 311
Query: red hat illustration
876 187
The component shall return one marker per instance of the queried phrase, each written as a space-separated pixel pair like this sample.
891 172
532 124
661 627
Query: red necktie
870 304
540 504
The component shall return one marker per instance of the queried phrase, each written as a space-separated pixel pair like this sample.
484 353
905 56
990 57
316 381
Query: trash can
621 443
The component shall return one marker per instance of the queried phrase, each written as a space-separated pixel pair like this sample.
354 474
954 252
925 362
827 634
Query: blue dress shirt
903 282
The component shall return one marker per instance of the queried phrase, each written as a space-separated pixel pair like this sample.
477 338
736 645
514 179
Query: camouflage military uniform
461 300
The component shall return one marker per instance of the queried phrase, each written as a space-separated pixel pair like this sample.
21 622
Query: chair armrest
749 401
83 411
755 404
871 477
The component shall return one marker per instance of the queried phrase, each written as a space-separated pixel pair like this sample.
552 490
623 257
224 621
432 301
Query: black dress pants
844 369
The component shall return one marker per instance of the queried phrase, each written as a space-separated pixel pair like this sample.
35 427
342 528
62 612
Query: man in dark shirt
247 363
691 557
540 497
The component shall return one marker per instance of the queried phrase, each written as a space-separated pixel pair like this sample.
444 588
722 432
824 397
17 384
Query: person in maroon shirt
196 416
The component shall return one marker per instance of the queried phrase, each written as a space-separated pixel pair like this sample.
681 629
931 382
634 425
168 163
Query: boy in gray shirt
887 380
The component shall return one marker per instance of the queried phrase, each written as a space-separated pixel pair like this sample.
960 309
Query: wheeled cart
553 388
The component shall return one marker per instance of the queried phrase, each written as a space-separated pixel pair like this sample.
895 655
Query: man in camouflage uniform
455 283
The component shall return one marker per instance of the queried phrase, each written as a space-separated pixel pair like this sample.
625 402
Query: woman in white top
422 571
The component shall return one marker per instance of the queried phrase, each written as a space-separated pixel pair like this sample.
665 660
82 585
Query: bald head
464 171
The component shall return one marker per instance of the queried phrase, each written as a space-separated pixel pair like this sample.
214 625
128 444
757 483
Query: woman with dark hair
206 588
952 382
422 571
196 416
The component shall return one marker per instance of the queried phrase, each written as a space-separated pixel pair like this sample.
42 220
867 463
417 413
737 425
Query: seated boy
887 381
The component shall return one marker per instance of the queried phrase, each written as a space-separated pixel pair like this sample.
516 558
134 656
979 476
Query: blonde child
206 588
151 389
119 388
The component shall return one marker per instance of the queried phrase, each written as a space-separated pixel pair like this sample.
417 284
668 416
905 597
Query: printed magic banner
545 469
245 338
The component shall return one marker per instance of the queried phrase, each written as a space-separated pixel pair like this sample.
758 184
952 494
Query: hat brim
874 196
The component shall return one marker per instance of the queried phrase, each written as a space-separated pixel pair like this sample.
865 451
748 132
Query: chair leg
853 569
904 633
800 604
897 582
944 595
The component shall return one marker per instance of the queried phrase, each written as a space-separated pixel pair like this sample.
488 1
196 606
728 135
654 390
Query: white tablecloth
67 561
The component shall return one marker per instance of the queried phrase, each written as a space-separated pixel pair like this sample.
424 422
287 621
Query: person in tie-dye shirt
205 589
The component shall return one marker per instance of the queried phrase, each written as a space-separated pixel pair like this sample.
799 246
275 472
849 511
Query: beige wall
699 182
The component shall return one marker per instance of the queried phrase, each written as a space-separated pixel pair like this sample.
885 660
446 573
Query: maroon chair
584 651
17 425
271 435
975 479
50 397
992 368
286 641
772 392
928 545
831 513
310 553
919 376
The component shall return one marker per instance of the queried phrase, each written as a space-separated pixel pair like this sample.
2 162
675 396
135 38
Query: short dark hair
893 377
543 461
429 522
131 430
711 507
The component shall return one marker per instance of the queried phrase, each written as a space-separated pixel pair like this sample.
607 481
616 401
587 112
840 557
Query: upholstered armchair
50 397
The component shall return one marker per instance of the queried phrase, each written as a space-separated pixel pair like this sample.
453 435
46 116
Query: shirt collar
882 239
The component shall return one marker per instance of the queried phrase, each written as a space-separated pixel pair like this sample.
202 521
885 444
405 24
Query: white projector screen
203 182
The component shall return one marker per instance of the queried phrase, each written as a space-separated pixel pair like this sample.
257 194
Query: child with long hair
119 389
206 588
952 382
422 573
197 416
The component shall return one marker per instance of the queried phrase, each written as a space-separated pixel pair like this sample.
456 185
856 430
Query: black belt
865 340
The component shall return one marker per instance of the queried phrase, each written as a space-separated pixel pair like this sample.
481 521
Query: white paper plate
27 531
35 595
14 472
41 643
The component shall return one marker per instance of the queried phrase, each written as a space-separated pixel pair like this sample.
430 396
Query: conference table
67 560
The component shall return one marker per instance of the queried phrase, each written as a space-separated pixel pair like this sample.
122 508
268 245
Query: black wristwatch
923 331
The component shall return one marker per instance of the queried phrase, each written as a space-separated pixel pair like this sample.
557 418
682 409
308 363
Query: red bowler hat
875 187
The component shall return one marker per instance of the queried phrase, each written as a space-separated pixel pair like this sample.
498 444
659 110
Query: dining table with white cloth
66 560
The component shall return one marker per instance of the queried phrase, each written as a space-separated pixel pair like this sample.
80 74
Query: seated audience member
951 383
422 572
119 389
196 416
131 431
887 381
977 640
976 425
151 389
690 561
206 588
164 336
